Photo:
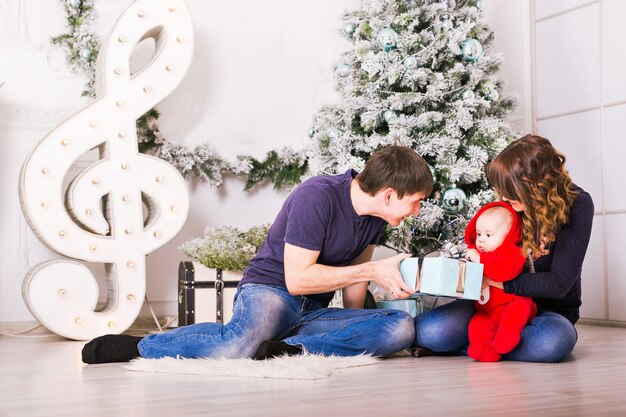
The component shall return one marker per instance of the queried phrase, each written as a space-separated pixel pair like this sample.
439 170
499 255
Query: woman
556 220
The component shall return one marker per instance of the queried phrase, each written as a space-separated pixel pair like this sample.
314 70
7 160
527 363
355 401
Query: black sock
420 352
272 348
111 348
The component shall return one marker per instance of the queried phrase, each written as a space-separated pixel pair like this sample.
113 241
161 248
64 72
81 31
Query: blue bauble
349 28
390 116
468 95
453 200
312 131
342 70
411 62
492 94
471 50
387 39
85 54
433 172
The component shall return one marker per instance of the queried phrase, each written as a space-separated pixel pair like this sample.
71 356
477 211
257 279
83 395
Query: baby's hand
472 255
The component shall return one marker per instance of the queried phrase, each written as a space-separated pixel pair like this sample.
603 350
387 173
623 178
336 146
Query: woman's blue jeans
264 312
549 337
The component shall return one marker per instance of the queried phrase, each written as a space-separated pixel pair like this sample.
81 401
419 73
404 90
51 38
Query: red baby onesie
496 327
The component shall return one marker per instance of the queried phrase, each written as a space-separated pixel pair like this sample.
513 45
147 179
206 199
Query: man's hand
387 274
472 255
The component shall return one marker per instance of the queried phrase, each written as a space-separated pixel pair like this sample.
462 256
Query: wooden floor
45 377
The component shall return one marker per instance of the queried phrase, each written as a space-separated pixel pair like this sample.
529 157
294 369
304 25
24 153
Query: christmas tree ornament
411 62
446 23
332 133
349 29
453 200
387 39
312 131
390 116
468 94
433 172
74 4
492 94
342 70
471 50
480 5
85 54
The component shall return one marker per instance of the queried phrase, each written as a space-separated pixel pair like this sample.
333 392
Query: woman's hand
491 283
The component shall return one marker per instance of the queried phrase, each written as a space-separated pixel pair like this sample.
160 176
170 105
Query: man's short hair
398 167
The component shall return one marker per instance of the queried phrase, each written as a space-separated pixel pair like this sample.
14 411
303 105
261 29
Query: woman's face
516 205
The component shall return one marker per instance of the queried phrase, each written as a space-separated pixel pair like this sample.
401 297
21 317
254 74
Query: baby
493 237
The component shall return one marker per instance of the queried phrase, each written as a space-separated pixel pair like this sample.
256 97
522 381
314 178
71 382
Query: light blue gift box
443 276
410 305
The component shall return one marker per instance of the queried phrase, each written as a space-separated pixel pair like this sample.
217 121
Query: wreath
283 168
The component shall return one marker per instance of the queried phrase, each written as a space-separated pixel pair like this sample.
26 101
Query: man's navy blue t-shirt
318 215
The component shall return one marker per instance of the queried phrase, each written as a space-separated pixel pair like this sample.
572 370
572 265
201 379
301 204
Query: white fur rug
286 367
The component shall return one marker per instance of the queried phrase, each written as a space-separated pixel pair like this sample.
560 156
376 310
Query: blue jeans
549 337
264 312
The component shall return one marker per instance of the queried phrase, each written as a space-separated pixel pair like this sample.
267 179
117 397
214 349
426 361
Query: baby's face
491 230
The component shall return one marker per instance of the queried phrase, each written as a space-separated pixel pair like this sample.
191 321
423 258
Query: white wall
580 96
260 72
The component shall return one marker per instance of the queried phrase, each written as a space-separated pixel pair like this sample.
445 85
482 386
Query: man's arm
303 275
354 295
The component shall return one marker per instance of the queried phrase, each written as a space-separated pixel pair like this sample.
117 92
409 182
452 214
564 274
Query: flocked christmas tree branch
284 169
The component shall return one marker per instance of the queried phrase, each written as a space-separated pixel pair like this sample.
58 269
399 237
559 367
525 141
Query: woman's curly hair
530 170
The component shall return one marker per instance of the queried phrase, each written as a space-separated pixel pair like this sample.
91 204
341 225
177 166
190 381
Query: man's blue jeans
264 312
549 337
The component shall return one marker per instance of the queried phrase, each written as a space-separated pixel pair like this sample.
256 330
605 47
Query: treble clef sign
101 216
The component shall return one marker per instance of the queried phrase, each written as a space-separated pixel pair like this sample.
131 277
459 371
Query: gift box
411 306
205 294
443 276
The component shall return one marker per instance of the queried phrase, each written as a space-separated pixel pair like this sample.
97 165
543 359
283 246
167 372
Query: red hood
515 234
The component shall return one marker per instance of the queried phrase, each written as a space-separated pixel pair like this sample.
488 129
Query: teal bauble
468 95
85 54
387 39
349 29
492 94
411 62
342 70
480 5
390 116
312 131
471 50
453 200
74 4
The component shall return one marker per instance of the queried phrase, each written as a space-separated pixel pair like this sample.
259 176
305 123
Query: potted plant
207 286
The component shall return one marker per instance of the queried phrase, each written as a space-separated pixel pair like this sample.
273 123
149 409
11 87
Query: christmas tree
420 74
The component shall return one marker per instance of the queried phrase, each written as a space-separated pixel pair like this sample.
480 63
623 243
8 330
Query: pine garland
284 169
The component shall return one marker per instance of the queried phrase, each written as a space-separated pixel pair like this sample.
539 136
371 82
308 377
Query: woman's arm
566 256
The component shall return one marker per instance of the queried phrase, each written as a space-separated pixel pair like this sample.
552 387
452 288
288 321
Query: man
322 240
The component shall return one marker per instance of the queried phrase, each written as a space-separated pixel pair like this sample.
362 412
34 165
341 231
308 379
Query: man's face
401 208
